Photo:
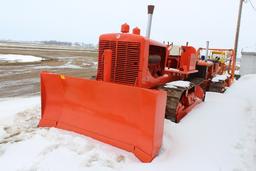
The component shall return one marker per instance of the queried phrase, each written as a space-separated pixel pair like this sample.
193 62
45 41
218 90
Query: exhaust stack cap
136 31
150 14
151 9
125 28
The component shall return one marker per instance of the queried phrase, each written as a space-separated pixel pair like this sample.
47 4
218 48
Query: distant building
248 63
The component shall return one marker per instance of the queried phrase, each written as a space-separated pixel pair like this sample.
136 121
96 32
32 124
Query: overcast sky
176 21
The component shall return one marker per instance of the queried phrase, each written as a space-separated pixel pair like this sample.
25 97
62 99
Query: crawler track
173 98
218 87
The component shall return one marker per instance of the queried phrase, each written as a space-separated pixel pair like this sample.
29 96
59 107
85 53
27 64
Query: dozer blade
127 117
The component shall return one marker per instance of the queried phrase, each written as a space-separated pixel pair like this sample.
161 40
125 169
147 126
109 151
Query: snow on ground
218 134
19 58
175 84
218 78
9 107
249 48
67 65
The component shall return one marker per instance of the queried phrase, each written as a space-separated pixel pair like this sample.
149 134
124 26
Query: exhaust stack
207 49
150 14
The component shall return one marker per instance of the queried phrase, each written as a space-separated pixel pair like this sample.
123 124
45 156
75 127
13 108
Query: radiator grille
125 61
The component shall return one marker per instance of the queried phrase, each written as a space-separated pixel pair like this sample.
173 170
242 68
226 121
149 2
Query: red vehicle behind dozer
220 64
135 89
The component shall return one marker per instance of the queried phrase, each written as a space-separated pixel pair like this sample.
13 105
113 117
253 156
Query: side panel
188 58
127 117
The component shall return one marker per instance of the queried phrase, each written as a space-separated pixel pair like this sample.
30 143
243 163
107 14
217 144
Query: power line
251 4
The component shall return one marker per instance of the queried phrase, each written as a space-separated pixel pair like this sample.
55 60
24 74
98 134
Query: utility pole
237 36
238 27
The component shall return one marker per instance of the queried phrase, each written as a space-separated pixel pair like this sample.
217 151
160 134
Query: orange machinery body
120 107
183 64
134 60
181 67
186 61
218 68
130 62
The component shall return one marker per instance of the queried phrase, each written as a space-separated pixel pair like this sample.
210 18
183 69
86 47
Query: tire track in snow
24 126
87 151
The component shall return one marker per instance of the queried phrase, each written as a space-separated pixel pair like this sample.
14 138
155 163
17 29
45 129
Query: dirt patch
22 79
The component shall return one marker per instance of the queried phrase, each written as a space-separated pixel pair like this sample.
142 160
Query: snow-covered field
11 58
218 135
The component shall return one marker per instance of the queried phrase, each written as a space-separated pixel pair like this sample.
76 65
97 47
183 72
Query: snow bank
19 58
218 134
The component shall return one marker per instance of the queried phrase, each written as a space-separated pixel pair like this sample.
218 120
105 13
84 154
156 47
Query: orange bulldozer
139 83
220 64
